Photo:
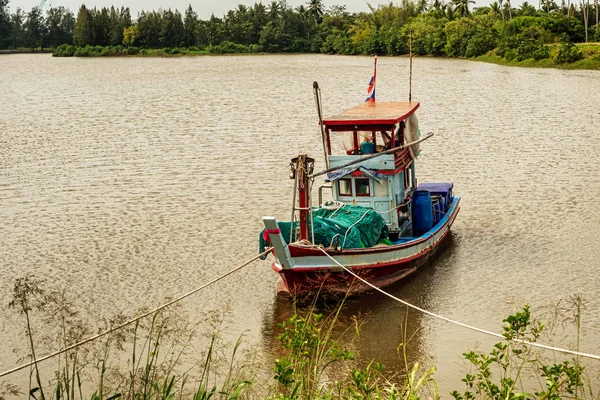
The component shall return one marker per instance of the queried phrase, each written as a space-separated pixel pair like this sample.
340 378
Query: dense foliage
439 29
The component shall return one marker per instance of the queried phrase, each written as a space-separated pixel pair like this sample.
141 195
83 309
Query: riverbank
589 51
583 55
26 51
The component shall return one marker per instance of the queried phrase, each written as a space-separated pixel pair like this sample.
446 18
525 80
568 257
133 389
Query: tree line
445 29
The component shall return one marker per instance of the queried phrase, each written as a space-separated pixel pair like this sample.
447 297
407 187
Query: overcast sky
204 8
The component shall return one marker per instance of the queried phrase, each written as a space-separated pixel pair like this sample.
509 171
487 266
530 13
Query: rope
543 346
348 230
392 209
124 324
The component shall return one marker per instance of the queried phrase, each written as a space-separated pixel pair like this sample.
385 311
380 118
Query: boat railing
324 186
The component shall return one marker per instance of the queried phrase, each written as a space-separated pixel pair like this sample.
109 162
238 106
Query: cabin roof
374 113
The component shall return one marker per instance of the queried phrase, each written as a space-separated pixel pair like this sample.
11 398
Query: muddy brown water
128 180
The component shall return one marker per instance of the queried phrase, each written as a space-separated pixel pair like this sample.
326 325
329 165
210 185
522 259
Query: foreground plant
317 366
502 373
317 360
156 349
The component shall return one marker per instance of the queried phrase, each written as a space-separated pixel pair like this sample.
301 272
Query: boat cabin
384 183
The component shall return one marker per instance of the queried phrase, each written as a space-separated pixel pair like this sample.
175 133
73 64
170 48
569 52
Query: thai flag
371 88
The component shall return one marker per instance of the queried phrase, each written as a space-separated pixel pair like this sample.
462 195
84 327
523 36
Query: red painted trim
376 266
273 231
359 127
303 197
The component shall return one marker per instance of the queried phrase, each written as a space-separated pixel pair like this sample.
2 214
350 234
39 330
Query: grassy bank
66 50
590 54
25 51
316 359
589 51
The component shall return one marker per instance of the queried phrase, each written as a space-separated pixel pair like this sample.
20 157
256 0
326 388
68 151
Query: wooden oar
365 158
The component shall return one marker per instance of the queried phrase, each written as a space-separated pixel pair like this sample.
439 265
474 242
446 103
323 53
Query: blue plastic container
438 208
367 147
422 213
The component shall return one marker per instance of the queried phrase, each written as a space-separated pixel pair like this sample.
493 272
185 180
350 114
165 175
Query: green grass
591 60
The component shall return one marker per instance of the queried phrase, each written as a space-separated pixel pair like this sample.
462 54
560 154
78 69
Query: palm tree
495 8
315 9
274 10
449 11
526 10
596 4
509 9
585 10
462 7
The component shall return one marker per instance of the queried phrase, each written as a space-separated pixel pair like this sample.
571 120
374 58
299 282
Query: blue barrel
367 147
422 214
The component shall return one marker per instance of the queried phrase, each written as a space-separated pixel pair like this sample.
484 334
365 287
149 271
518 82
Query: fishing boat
381 224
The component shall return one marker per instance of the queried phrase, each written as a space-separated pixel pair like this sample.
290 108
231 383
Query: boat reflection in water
373 325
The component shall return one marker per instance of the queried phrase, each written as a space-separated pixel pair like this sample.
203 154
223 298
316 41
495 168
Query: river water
128 180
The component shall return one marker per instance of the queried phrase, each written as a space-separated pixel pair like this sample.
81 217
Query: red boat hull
313 271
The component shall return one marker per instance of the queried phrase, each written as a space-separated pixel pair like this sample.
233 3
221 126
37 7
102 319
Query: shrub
523 45
458 34
132 50
568 52
87 51
499 374
428 34
174 50
229 48
337 42
532 48
107 51
64 50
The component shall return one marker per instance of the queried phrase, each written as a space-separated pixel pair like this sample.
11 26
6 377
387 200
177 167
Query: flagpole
410 71
374 77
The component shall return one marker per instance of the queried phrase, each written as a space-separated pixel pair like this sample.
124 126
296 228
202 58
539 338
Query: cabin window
380 189
362 187
345 187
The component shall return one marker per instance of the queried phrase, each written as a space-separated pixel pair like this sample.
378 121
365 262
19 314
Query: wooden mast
303 168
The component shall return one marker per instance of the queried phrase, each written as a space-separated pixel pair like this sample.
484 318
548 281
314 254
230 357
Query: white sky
204 8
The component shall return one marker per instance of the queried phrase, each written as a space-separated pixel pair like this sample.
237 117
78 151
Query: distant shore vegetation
547 35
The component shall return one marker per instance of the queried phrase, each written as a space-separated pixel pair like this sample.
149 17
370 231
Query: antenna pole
410 70
318 103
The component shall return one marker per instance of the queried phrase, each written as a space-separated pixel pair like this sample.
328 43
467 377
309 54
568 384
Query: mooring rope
131 321
474 328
